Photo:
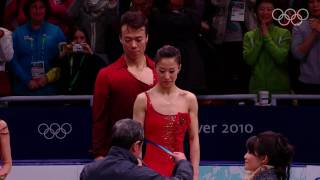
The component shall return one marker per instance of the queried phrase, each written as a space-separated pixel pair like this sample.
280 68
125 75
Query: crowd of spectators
210 34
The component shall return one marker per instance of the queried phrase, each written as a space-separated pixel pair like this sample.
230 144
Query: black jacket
120 164
78 73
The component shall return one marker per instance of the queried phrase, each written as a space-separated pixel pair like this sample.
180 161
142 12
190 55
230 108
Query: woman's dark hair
258 2
142 6
134 19
126 132
276 147
168 51
164 5
27 5
81 29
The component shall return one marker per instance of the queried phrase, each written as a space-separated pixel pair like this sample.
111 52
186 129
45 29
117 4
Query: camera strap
76 76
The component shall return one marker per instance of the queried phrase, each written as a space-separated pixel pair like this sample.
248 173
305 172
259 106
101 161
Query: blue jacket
309 63
32 46
121 164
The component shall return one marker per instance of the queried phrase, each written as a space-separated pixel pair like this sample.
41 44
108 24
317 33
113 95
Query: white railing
253 97
276 97
89 97
47 98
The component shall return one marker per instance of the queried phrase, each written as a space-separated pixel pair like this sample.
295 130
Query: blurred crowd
53 47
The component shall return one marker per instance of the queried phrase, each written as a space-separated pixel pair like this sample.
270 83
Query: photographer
79 66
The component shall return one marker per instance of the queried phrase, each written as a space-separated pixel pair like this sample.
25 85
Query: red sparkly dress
167 131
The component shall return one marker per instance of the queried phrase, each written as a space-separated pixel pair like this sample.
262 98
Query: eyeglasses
140 142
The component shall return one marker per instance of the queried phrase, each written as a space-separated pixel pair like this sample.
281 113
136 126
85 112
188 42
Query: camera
77 48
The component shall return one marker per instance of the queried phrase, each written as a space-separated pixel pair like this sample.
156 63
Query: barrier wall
49 132
54 131
224 130
220 172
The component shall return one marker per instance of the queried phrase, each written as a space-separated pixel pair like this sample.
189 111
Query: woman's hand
86 48
264 28
42 81
38 82
4 171
178 156
65 49
33 84
5 150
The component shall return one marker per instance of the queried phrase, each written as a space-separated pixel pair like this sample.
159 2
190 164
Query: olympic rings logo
54 130
290 16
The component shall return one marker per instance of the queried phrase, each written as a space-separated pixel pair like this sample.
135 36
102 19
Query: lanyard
38 53
76 76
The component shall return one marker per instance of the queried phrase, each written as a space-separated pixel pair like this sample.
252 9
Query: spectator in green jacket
265 49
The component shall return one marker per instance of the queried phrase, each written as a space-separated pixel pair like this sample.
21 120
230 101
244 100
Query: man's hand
205 26
1 33
178 156
98 158
140 162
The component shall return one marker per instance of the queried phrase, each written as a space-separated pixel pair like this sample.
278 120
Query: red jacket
114 95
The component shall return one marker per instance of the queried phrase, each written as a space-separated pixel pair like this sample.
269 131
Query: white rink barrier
72 172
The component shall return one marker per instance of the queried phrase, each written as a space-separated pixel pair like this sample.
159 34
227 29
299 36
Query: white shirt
6 49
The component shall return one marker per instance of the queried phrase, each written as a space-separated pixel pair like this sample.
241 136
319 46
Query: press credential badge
237 10
37 69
